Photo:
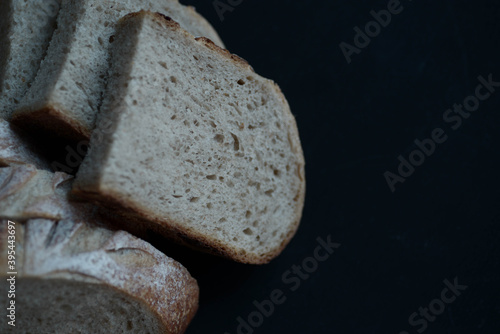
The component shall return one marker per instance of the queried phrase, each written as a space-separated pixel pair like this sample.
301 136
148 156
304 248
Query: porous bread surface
201 145
26 27
15 150
68 88
63 306
96 279
27 193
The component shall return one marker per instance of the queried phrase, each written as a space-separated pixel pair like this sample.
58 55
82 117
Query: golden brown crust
207 42
206 25
50 120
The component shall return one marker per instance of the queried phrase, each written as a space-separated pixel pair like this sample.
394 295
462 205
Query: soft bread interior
26 28
47 306
66 95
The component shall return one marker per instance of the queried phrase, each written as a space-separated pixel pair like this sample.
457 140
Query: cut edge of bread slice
88 184
25 33
80 276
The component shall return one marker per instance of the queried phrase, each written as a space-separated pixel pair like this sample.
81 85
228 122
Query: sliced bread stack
202 148
186 141
66 94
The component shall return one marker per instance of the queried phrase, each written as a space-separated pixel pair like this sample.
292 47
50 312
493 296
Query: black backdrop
355 119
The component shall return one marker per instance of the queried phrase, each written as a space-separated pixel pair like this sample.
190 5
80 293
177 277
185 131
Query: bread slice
15 149
202 149
74 277
25 31
67 91
29 193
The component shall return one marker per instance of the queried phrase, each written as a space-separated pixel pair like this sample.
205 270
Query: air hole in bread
219 138
241 82
236 142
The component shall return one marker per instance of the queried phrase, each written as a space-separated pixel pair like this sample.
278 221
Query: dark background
355 120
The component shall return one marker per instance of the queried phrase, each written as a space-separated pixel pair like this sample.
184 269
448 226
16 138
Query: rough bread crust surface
26 27
66 94
202 149
15 150
29 193
87 273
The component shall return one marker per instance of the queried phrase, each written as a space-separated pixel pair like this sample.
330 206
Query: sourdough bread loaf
15 149
25 31
202 149
66 94
74 277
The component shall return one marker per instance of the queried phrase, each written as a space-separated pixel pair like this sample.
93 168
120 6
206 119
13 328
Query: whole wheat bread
66 94
25 31
202 149
74 277
15 149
